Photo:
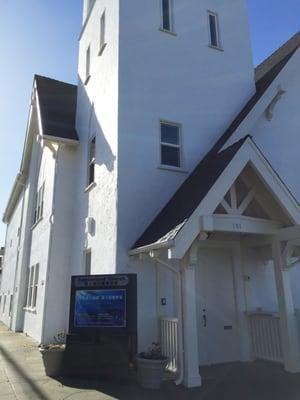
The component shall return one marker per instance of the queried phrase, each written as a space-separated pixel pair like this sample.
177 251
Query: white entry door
216 309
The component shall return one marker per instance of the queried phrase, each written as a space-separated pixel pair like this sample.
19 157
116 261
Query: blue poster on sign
103 308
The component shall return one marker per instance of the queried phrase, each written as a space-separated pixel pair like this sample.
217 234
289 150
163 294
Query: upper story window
170 144
214 34
167 15
102 32
32 288
88 65
39 204
91 161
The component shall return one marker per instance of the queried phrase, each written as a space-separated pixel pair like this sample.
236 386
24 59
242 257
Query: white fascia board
238 224
13 198
249 152
22 175
154 246
259 108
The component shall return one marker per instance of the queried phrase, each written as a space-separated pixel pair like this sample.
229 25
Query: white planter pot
53 361
150 372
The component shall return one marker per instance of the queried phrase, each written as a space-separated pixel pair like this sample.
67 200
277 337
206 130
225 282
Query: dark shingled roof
180 207
57 102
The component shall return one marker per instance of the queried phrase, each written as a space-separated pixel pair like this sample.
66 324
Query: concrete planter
150 372
53 360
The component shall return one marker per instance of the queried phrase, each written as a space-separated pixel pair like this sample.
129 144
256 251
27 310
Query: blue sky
40 36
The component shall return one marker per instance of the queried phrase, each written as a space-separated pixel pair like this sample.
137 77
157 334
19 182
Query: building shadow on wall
92 126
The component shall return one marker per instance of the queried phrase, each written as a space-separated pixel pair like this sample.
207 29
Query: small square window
214 34
170 144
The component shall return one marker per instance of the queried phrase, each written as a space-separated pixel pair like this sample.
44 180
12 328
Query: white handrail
265 336
169 341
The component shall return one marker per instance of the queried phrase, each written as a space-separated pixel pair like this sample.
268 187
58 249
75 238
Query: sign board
103 304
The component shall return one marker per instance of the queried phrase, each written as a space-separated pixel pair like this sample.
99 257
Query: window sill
173 169
87 79
102 49
90 187
32 310
36 223
172 33
215 47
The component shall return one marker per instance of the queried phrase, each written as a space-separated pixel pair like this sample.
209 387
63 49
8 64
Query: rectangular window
10 305
32 289
88 65
167 15
102 33
87 262
39 204
170 144
91 160
214 30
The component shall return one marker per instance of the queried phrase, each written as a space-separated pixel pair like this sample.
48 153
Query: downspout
177 273
51 221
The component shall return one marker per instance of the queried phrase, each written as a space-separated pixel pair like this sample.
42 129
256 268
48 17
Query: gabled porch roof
179 222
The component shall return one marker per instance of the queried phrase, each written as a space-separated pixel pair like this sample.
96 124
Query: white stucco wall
279 138
97 114
61 245
174 78
10 262
40 236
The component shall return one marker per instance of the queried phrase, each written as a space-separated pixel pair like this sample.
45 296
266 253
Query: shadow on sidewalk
21 371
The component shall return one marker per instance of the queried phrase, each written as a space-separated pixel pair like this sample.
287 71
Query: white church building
173 159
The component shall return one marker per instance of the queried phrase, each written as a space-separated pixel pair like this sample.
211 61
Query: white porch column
288 324
192 377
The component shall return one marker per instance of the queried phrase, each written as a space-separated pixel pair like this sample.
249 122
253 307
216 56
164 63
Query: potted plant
53 354
151 365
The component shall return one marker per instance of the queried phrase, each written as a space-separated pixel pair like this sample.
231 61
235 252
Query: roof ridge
274 58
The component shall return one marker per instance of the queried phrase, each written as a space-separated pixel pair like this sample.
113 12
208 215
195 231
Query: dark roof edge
292 44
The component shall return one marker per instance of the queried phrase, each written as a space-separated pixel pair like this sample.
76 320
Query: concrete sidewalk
22 377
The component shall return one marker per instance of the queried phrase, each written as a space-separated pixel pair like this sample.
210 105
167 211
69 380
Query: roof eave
153 246
60 140
14 196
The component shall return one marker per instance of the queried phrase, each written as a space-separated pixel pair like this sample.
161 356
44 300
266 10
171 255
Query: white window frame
85 254
91 161
87 64
218 46
32 287
102 32
171 17
178 146
39 204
